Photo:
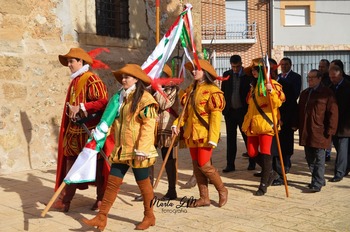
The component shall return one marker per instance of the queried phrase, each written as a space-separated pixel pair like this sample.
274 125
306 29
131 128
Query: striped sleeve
216 102
97 96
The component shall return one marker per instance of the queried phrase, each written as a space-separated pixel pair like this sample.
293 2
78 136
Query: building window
236 19
297 15
112 18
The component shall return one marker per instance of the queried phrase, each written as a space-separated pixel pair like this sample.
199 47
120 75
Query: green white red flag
180 30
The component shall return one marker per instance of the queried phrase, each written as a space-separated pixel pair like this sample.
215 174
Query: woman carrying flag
258 122
134 128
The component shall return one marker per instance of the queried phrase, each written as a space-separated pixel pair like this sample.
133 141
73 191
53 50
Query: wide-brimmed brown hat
205 65
75 53
167 70
255 63
132 70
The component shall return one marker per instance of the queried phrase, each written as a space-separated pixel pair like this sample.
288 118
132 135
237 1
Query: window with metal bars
112 18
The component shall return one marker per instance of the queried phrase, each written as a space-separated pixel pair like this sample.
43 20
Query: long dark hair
140 89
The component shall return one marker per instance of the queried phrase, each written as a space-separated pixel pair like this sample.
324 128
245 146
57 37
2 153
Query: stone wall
33 83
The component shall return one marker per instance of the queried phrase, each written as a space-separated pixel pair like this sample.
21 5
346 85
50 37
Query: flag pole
86 129
53 198
157 22
275 127
274 121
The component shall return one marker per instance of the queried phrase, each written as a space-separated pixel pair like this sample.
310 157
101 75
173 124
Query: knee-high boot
151 179
267 176
147 195
171 173
190 183
212 174
259 159
100 185
202 182
100 220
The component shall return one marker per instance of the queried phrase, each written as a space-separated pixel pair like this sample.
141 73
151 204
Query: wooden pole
53 198
275 127
274 123
157 21
173 138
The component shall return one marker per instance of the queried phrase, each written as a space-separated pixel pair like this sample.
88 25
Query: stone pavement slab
22 196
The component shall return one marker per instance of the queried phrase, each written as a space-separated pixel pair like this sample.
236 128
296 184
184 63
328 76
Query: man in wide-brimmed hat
86 96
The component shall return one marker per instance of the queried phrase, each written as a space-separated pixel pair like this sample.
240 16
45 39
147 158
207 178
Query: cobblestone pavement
22 195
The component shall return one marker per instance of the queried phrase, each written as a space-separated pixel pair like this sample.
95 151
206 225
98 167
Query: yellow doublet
254 123
135 132
209 102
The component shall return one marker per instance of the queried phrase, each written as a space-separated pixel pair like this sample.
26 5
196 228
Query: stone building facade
33 84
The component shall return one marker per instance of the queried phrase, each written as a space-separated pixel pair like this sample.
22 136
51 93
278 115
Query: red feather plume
97 64
157 84
222 78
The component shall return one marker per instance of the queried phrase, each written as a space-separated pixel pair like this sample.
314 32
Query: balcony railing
229 33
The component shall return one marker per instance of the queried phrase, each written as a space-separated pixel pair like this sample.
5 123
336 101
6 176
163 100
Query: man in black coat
288 113
291 82
292 77
235 91
341 140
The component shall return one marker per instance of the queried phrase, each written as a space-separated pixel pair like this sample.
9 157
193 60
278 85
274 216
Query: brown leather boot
151 178
64 199
190 183
214 177
60 206
147 195
202 182
109 197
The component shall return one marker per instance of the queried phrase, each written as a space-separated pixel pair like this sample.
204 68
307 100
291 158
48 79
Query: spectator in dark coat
323 67
318 118
340 64
341 88
292 77
291 82
288 113
235 90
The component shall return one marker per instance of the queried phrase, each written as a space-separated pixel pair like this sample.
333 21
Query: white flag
84 168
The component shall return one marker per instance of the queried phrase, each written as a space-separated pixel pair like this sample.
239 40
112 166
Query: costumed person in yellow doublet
258 122
202 122
86 96
134 128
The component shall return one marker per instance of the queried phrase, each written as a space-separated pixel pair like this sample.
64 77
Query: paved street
22 195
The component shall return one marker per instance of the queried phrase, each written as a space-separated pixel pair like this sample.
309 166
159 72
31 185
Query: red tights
261 141
201 154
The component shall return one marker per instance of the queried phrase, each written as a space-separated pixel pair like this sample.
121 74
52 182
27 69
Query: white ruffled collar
83 69
124 93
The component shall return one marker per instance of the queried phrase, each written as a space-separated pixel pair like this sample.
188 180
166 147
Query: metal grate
112 18
230 31
304 61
